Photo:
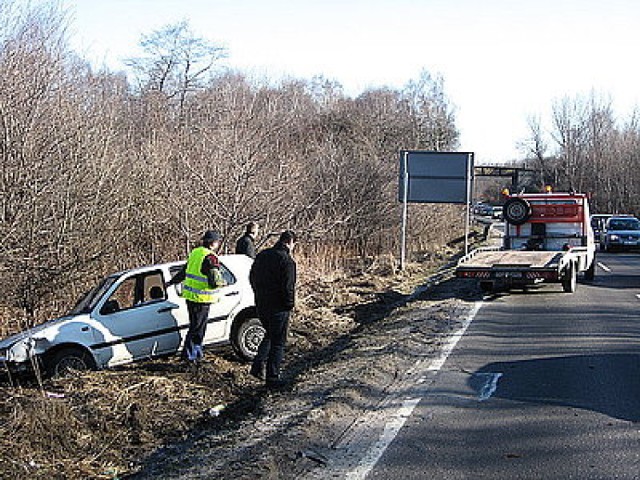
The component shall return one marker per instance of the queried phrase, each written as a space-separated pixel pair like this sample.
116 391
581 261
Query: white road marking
402 413
638 295
490 386
437 363
604 267
391 429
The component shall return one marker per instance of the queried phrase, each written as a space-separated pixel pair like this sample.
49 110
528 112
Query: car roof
233 261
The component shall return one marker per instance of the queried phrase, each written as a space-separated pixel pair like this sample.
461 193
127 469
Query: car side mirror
110 306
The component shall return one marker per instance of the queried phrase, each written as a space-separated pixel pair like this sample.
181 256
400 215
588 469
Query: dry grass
94 425
101 424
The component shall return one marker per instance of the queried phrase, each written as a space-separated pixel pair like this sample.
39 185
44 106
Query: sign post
434 177
405 190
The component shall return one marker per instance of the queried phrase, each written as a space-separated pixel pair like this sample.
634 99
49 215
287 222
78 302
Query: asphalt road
543 385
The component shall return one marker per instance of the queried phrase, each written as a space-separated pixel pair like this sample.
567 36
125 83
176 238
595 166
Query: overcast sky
501 60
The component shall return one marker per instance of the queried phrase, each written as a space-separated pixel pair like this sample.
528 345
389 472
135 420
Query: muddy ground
352 338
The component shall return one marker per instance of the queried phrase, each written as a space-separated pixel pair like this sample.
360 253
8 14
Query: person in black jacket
246 243
273 279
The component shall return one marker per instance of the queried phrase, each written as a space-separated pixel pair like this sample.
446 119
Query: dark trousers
271 349
198 317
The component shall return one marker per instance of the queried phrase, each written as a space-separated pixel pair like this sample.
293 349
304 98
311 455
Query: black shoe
257 372
275 383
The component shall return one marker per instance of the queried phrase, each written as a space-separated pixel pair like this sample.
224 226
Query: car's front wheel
69 359
246 337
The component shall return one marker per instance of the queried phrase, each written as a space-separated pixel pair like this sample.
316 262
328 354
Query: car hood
8 341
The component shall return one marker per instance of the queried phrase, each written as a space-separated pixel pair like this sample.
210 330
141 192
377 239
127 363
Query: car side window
228 277
173 271
122 298
135 291
152 287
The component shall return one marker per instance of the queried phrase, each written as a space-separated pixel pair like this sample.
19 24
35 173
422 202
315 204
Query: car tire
516 211
69 359
569 281
246 337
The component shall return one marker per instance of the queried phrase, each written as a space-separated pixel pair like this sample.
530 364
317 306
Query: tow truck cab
548 222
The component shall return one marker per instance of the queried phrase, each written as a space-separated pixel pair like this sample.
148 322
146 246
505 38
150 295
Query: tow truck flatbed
510 258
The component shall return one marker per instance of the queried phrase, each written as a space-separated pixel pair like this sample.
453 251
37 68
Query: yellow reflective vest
196 286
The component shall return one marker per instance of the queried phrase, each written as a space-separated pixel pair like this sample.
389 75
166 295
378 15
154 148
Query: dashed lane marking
604 267
490 385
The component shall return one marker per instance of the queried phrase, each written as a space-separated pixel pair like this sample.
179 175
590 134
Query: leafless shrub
590 151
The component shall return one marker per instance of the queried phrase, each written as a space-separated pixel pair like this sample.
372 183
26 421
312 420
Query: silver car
130 316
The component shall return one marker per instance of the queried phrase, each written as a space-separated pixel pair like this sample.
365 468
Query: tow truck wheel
569 282
247 337
590 273
516 211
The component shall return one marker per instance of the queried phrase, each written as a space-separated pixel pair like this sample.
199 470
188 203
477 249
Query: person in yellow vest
201 276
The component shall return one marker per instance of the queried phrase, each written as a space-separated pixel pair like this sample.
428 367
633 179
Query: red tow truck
547 238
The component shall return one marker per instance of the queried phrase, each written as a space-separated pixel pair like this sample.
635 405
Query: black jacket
273 279
245 245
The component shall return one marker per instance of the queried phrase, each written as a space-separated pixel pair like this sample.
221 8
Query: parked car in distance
620 233
483 209
496 212
130 316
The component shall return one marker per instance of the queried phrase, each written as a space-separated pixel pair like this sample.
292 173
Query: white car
130 316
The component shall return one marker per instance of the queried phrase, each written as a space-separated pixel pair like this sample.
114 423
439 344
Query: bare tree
536 148
96 176
175 63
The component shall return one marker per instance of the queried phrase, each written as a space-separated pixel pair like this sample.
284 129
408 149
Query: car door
172 326
219 324
133 315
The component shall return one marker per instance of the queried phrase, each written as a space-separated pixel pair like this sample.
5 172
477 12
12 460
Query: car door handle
167 309
231 294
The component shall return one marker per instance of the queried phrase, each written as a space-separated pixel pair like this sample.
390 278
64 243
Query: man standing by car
246 243
201 276
273 279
